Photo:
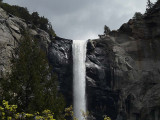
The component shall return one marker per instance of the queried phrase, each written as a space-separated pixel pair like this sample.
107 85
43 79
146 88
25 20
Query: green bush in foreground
8 112
69 114
106 117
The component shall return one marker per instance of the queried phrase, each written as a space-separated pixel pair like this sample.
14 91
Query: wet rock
60 57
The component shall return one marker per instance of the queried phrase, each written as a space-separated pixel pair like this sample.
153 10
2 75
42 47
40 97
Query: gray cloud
83 19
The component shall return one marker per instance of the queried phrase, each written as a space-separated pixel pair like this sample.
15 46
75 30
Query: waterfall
79 74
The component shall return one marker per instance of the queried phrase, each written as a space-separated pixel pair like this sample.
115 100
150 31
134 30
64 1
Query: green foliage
69 114
37 21
106 117
138 16
9 112
31 85
16 10
42 23
149 5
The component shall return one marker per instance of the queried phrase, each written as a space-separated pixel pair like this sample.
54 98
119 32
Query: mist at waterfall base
79 82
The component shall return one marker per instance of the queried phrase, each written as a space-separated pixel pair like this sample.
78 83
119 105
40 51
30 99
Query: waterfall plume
79 81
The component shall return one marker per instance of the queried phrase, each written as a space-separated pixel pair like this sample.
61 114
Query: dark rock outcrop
60 57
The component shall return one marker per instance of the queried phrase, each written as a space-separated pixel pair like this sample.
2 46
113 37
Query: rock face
11 29
123 78
123 70
60 56
119 83
123 67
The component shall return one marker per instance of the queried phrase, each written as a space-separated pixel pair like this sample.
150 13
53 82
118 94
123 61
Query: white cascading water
79 81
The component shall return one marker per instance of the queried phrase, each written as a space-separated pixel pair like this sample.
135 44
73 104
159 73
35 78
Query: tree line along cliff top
33 18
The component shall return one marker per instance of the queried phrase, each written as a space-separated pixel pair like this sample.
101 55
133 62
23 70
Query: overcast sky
83 19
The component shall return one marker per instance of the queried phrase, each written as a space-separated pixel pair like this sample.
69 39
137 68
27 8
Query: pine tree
149 6
31 85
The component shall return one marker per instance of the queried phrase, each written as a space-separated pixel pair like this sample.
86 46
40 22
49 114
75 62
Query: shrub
9 112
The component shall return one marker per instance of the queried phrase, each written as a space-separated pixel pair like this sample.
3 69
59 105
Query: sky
83 19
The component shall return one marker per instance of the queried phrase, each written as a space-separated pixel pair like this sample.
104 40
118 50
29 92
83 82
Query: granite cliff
123 66
122 70
11 31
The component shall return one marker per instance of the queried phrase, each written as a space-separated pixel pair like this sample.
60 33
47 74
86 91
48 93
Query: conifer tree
31 85
149 6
